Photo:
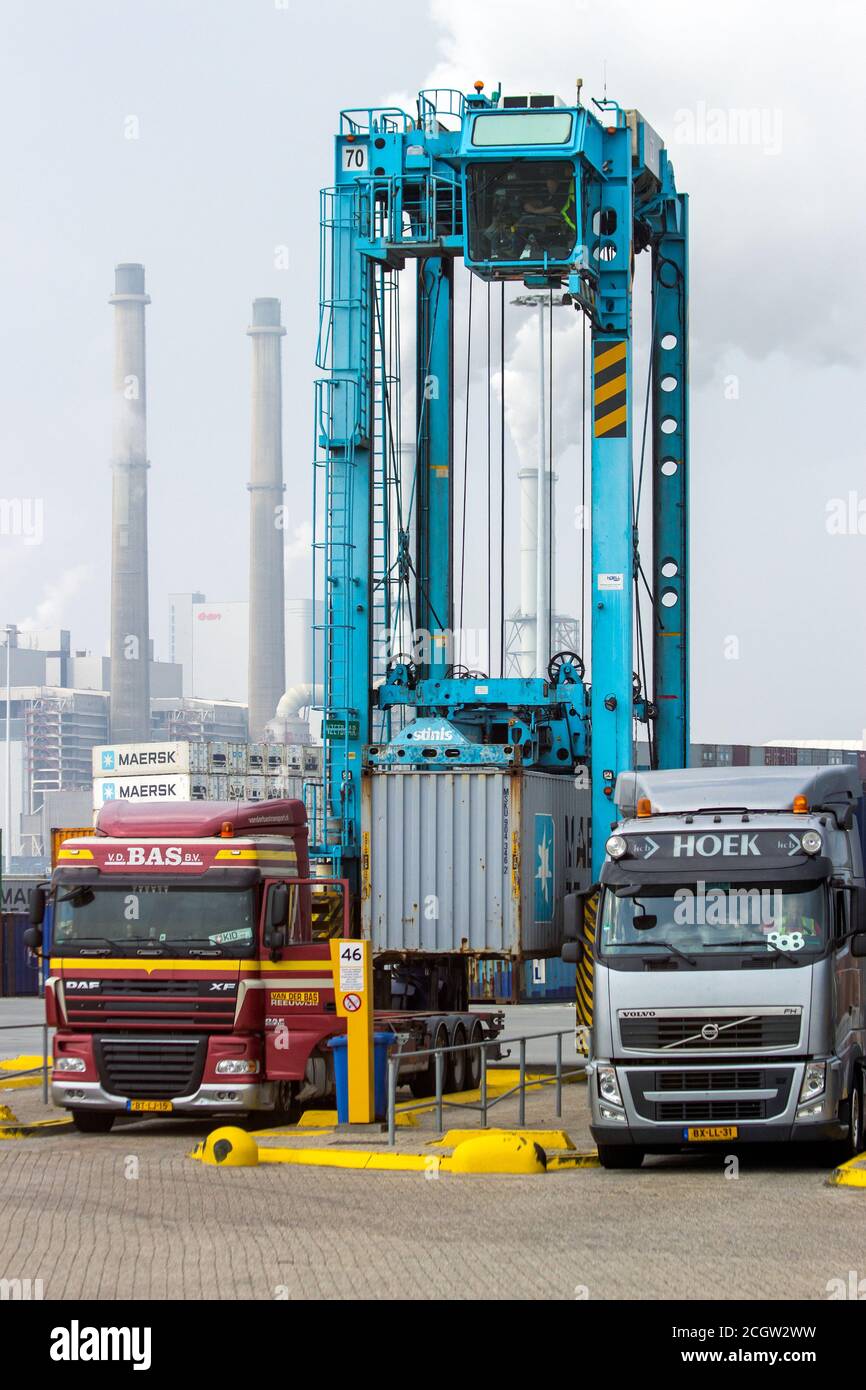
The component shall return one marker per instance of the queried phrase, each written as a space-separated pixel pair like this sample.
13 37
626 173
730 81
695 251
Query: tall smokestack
267 668
130 634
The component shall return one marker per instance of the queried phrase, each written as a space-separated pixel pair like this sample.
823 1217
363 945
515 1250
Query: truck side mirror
572 952
858 944
572 916
36 905
276 925
32 937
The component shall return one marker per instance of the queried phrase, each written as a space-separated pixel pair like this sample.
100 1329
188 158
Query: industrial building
210 642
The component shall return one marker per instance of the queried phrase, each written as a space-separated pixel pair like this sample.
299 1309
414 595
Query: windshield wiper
769 945
667 945
80 940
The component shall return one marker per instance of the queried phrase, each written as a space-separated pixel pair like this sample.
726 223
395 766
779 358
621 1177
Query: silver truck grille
747 1032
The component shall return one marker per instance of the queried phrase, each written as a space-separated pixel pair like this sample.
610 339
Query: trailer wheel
455 1072
423 1083
92 1121
619 1156
473 1058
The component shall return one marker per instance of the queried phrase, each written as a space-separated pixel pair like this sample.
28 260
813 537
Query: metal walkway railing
29 1071
486 1102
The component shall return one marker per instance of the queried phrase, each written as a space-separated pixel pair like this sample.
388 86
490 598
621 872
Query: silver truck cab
728 963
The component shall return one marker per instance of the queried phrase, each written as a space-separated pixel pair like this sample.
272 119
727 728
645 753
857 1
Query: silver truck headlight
70 1064
236 1066
608 1087
814 1081
616 846
810 842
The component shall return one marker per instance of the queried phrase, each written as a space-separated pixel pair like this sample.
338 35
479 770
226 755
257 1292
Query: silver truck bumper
222 1097
647 1113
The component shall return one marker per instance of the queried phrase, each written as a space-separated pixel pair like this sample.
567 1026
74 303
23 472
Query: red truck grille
142 1068
193 1003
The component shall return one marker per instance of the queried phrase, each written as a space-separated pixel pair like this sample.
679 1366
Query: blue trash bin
382 1043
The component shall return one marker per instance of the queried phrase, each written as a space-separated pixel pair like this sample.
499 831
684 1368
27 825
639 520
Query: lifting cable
390 452
550 517
502 477
489 504
583 646
465 472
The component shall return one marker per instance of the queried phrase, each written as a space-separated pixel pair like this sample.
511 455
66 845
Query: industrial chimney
130 635
267 650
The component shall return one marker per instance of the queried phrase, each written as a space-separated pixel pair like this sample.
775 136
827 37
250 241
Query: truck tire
619 1156
473 1058
455 1071
422 1084
853 1145
92 1121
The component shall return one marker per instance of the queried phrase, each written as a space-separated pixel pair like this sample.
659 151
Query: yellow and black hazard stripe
584 969
609 389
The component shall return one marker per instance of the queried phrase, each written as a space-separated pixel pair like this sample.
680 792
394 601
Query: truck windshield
715 918
148 916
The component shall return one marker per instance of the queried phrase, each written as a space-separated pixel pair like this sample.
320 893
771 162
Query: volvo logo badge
710 1031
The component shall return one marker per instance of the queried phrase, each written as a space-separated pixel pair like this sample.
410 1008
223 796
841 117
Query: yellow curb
20 1083
547 1138
6 1114
27 1062
29 1130
477 1152
557 1161
850 1174
499 1153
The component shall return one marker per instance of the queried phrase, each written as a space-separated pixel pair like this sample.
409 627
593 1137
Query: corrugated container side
473 860
548 979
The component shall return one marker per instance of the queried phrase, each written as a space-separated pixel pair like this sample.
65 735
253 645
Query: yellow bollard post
352 964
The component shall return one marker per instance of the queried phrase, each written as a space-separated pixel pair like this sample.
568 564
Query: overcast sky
234 104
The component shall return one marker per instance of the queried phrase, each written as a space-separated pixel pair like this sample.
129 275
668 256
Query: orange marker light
644 806
478 84
227 830
800 806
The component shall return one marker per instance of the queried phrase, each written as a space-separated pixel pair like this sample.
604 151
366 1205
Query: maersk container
157 787
475 861
140 759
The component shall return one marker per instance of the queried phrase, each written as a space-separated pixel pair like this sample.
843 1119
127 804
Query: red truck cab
183 974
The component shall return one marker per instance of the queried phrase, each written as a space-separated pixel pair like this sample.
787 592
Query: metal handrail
29 1071
485 1103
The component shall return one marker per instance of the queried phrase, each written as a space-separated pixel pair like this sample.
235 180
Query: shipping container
218 756
545 980
156 787
255 788
65 833
292 757
475 861
256 754
313 759
19 967
134 759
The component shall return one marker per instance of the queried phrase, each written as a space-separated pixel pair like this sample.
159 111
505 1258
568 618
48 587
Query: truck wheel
854 1142
473 1058
455 1071
619 1156
423 1083
92 1121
